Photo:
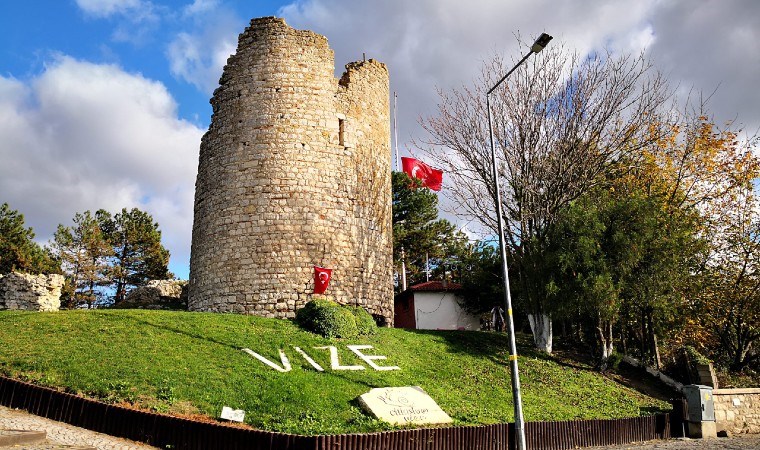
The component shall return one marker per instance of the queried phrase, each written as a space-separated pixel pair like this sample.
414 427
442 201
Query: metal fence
170 432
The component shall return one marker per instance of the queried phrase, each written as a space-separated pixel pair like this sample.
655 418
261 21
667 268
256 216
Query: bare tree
559 122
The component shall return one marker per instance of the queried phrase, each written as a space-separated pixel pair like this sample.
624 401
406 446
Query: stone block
403 406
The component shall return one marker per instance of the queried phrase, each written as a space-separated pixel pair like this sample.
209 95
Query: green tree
559 122
619 253
137 253
482 287
423 236
18 251
84 252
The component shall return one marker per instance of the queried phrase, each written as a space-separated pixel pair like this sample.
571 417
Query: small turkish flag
321 278
430 177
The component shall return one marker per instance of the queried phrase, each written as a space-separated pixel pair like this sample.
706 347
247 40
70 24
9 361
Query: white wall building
433 305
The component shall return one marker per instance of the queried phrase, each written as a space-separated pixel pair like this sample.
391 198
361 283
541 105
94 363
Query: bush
328 319
695 357
614 360
365 323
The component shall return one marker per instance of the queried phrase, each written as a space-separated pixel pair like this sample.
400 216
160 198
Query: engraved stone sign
403 405
234 415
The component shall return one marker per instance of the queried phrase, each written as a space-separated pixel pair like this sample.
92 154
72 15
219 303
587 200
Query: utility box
700 400
701 410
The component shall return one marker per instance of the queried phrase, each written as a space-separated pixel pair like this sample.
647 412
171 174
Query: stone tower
294 171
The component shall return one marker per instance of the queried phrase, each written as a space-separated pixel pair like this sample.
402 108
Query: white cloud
200 56
135 19
707 45
429 44
138 9
106 8
87 136
200 7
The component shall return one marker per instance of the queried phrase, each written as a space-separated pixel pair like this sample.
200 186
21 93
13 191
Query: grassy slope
192 363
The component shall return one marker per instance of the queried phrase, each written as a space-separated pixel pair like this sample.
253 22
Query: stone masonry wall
30 292
737 410
294 171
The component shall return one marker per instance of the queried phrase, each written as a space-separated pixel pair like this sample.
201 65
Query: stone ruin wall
294 171
28 292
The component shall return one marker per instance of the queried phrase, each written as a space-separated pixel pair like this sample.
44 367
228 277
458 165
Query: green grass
192 364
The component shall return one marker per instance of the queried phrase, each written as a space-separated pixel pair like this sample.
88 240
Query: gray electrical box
700 400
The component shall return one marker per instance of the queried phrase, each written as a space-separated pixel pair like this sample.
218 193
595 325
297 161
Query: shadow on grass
485 344
172 329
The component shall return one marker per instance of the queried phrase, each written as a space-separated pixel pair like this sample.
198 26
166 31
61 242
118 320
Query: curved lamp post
537 46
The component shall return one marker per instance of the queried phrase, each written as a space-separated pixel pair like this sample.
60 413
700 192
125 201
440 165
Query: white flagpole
395 129
395 146
427 267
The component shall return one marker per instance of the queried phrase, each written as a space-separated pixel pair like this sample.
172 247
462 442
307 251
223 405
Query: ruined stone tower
294 171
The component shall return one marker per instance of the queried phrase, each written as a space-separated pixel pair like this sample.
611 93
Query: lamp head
540 43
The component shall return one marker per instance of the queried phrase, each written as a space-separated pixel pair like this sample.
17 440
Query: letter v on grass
283 359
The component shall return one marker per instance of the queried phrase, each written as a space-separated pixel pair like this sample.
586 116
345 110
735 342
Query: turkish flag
321 278
430 177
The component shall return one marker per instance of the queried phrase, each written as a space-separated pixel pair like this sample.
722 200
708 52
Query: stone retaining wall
737 410
294 172
31 292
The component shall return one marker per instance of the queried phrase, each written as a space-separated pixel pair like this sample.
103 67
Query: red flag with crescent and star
430 177
321 279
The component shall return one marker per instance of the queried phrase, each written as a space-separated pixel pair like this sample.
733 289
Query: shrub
695 357
613 361
328 319
365 324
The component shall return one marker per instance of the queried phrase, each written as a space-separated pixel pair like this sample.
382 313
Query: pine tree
417 228
84 252
137 253
18 251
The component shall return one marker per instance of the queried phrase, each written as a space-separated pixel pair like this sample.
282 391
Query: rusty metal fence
170 432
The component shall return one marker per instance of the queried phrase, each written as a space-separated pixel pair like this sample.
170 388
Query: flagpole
395 146
395 129
427 267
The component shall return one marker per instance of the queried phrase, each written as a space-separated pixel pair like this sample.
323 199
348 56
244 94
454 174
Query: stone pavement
741 442
61 433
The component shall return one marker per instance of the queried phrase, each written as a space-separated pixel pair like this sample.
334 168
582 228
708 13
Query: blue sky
103 102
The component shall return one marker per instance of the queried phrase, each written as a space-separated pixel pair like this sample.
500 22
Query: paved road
61 433
741 442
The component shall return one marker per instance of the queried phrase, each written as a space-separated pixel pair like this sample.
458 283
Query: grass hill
193 364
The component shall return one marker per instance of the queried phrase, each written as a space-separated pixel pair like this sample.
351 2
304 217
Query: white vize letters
369 358
284 359
309 360
334 363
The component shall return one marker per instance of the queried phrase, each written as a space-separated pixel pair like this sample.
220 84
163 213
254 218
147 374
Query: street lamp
537 46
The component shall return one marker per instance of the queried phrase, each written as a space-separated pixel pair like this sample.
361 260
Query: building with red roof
433 305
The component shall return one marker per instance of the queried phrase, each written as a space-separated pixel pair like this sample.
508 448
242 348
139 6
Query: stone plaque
403 405
234 415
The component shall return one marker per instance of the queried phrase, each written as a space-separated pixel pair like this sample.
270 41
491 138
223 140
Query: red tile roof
435 286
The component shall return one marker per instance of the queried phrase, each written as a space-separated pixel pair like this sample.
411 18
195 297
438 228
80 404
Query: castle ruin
294 172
